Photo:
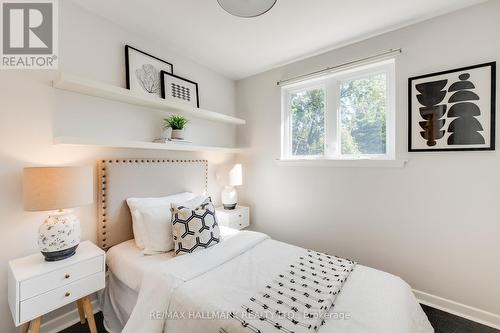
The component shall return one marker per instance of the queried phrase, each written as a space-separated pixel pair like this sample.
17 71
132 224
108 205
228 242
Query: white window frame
331 83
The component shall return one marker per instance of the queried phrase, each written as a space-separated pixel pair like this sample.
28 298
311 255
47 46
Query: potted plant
177 124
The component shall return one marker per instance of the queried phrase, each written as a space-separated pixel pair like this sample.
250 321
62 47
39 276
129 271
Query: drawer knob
67 276
67 294
240 215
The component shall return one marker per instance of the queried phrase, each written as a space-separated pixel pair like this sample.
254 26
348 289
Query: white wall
32 112
434 222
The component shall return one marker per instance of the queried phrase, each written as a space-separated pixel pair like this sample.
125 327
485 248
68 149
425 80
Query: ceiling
293 29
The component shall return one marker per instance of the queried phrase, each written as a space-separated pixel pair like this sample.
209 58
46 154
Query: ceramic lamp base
59 236
229 207
60 255
229 197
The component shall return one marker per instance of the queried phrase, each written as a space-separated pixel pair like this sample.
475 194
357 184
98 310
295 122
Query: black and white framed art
143 71
452 110
176 88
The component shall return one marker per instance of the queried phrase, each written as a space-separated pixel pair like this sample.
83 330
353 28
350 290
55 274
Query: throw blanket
296 300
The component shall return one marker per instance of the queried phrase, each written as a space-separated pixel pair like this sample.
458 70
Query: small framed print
176 88
143 71
452 110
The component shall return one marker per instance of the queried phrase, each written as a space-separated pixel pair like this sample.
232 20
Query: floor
442 322
79 328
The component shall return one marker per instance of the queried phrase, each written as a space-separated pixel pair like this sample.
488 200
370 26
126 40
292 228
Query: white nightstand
37 287
238 218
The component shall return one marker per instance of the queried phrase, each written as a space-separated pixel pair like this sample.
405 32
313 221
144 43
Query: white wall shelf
97 89
112 143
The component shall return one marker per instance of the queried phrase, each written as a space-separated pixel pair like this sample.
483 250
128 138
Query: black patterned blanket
297 300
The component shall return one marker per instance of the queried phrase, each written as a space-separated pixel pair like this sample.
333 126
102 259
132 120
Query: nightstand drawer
239 220
39 305
61 277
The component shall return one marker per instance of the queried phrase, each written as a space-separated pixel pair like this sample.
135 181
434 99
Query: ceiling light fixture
246 8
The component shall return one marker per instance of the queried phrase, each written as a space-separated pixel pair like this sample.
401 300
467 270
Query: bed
206 291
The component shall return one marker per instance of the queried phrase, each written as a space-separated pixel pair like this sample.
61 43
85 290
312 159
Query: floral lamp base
59 236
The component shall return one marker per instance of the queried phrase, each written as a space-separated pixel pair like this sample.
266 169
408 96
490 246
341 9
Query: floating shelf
97 89
111 143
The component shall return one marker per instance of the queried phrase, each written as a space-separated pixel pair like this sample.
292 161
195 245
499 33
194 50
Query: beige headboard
124 178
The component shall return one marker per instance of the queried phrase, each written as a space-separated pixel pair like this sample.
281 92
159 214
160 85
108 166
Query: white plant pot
177 134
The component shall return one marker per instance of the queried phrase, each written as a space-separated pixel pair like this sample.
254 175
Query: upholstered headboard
124 178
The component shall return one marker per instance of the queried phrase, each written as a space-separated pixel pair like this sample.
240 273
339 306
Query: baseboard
65 320
459 309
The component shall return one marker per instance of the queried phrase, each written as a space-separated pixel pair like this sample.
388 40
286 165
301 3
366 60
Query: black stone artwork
431 94
453 110
465 127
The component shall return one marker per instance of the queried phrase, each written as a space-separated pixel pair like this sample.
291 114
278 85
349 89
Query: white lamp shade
51 188
236 175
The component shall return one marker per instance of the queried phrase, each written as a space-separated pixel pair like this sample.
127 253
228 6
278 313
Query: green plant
175 122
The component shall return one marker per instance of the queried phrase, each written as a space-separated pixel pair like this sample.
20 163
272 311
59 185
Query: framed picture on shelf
176 88
452 110
143 71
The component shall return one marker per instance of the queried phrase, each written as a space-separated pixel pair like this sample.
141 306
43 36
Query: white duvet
191 293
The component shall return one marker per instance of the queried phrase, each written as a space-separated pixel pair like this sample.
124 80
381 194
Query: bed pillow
194 225
151 222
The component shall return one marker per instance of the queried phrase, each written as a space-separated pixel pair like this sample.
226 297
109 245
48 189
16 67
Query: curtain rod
341 66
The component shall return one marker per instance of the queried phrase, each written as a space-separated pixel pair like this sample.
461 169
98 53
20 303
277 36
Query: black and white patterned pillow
194 228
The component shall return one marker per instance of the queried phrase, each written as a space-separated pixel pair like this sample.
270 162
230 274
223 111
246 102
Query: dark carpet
442 322
79 328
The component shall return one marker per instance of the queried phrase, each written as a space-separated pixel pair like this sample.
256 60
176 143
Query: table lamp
229 196
55 189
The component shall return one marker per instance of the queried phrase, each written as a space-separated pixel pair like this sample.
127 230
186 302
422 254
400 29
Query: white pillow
193 202
151 221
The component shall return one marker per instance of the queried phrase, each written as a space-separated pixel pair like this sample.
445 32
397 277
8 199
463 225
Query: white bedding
225 276
128 263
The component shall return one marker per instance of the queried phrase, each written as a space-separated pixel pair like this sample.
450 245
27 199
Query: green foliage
308 122
175 122
363 105
363 115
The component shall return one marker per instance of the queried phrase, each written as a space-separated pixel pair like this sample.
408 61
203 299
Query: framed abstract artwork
143 71
452 110
176 88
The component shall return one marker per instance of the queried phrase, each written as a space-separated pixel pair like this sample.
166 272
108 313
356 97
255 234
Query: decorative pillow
151 222
194 228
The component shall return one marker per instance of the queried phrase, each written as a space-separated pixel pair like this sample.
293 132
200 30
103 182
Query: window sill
361 163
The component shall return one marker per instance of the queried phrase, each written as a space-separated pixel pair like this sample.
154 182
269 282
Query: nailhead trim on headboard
101 207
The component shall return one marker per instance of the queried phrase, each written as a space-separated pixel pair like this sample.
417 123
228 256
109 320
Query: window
307 115
346 115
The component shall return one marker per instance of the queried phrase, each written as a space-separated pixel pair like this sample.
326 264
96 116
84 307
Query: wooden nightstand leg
35 325
25 328
79 303
89 313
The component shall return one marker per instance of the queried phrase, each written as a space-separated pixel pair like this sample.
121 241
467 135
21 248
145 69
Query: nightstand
238 218
37 287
